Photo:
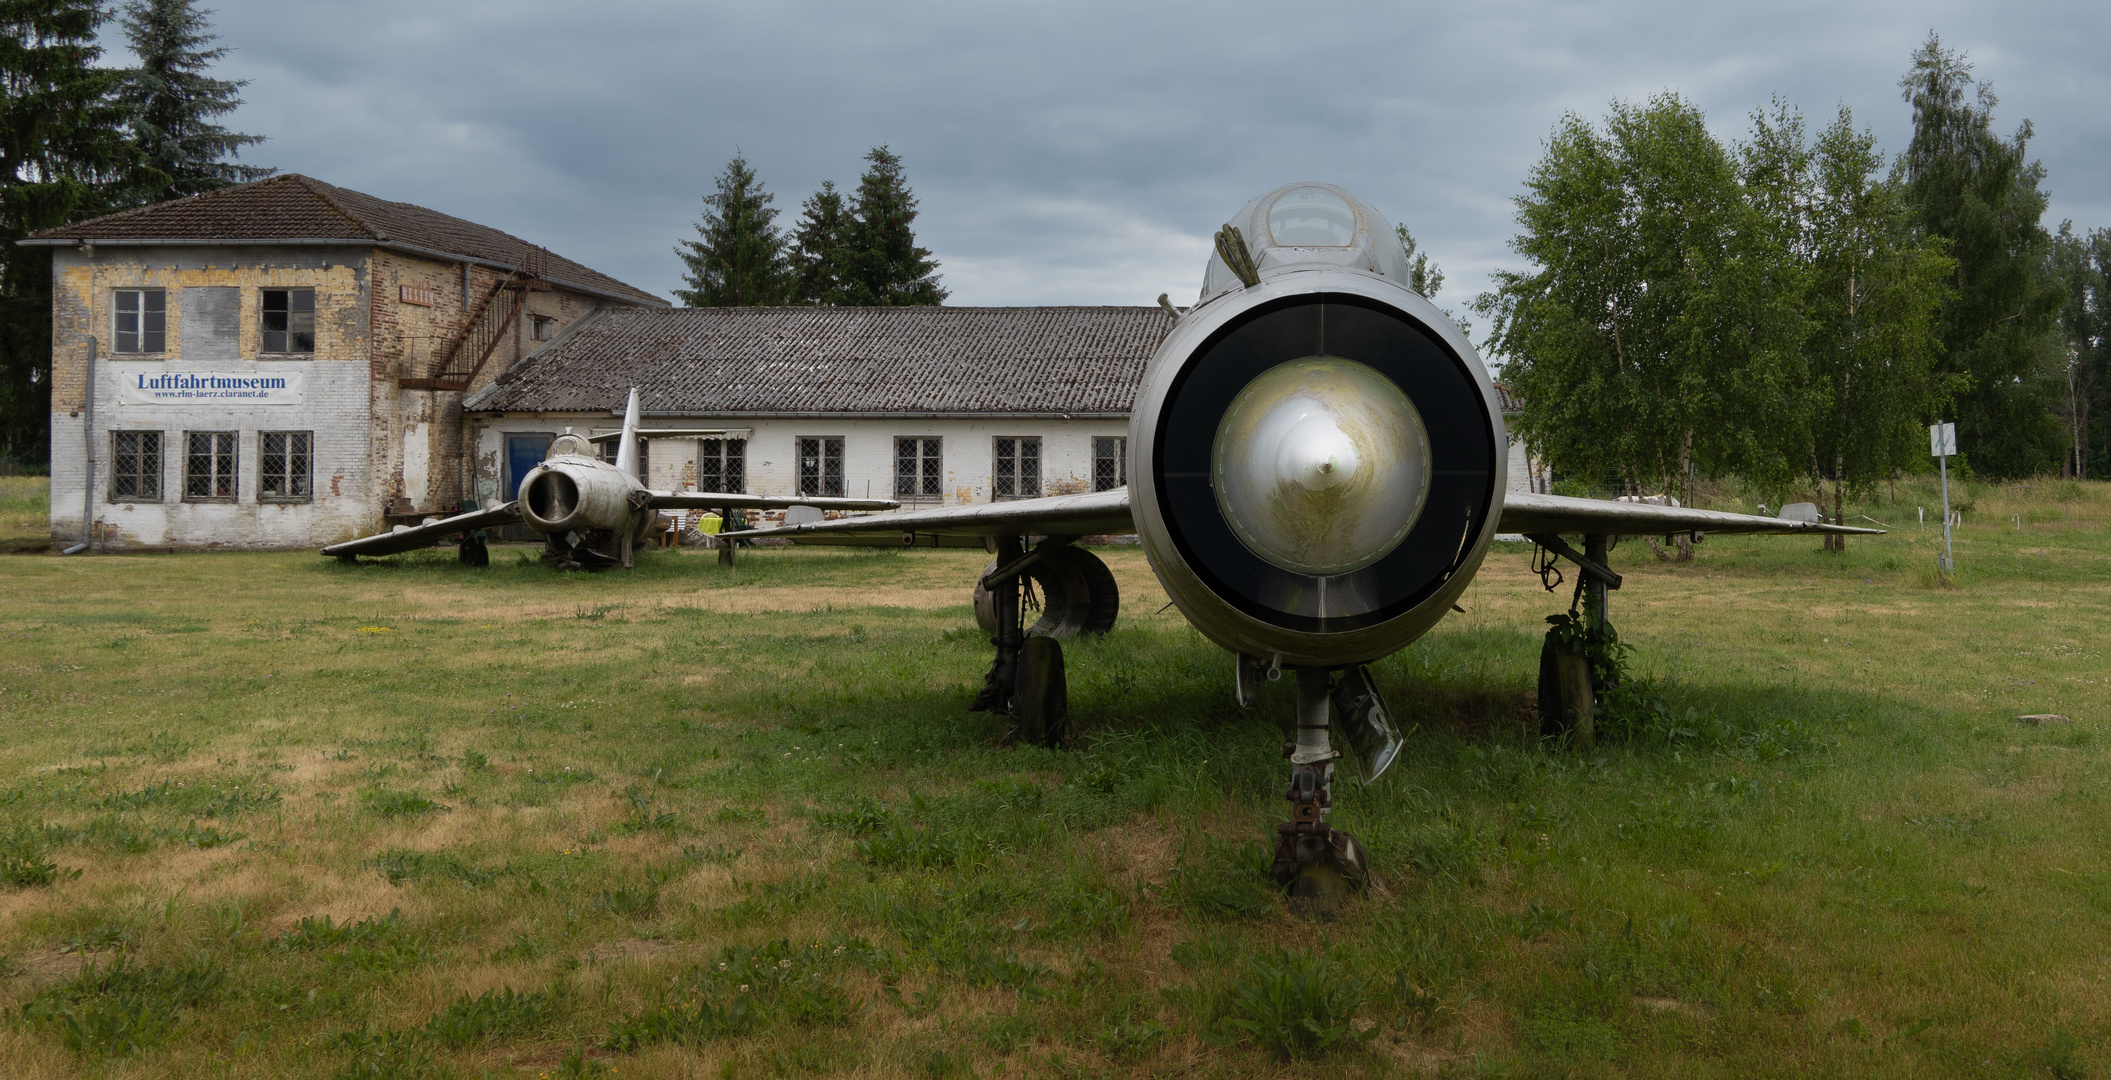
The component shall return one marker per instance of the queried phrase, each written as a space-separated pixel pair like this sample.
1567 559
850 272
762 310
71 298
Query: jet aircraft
1316 465
591 514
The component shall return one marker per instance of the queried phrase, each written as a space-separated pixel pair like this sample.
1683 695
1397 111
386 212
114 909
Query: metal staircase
485 329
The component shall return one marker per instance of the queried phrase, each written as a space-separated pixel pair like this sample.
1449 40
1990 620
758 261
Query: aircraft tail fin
627 450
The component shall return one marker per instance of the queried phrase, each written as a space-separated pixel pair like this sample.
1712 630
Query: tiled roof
1512 405
819 360
295 207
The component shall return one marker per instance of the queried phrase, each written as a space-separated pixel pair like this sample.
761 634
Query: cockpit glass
1311 217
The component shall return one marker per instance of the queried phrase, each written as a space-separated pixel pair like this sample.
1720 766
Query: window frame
139 471
1011 469
731 457
139 331
290 333
231 480
607 452
825 480
1114 450
306 474
925 481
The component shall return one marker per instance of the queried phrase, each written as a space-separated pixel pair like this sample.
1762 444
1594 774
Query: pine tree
1979 191
817 249
739 258
60 153
170 102
882 266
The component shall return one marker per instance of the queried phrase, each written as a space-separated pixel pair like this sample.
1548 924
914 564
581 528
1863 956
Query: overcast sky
1079 153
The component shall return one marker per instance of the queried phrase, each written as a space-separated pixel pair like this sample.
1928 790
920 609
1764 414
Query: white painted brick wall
968 450
334 407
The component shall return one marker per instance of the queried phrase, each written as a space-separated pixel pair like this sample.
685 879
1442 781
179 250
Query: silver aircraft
591 514
1316 466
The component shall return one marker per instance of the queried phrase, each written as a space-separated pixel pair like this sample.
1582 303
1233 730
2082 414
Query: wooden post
725 546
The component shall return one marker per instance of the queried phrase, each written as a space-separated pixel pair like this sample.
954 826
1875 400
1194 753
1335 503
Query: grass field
265 815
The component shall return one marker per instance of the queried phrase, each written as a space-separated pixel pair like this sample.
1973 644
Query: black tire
474 552
1041 699
1554 712
1078 595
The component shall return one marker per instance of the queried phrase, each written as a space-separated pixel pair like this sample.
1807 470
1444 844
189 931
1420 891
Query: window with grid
282 466
135 466
289 320
142 321
821 465
1018 472
611 448
722 465
918 469
209 466
1110 462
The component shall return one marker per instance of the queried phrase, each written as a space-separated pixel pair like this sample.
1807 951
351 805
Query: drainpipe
88 462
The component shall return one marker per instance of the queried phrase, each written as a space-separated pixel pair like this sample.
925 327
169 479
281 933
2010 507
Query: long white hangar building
927 405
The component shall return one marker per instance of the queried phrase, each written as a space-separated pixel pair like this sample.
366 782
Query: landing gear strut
1319 864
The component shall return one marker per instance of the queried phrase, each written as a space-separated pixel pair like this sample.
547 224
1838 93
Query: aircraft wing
1098 514
715 500
422 536
1527 513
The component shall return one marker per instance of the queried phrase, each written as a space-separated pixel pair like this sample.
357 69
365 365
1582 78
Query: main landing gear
1574 672
1075 594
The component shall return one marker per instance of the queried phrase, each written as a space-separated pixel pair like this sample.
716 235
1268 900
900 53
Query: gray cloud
1077 153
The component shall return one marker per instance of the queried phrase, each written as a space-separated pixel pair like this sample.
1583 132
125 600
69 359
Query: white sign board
210 387
1942 440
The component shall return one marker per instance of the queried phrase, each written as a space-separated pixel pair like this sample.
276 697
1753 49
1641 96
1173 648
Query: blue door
523 453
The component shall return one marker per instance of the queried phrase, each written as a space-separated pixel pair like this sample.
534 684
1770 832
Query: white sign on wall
210 387
1942 440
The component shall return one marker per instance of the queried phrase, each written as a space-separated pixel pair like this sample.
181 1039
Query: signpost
1942 442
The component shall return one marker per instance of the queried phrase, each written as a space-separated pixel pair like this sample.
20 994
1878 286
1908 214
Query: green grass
265 815
25 513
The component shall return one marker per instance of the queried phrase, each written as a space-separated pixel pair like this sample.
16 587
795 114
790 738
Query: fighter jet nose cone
1321 465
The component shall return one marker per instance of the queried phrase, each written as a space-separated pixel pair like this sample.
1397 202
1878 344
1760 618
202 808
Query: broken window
289 320
142 321
209 466
722 465
135 466
282 466
821 465
918 469
1110 462
1018 471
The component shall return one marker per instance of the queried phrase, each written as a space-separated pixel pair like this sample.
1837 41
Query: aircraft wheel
1078 595
1041 698
474 552
1565 701
1320 891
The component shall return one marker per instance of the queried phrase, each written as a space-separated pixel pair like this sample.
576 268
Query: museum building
282 363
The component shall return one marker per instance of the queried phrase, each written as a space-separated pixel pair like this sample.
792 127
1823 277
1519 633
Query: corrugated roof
707 361
295 207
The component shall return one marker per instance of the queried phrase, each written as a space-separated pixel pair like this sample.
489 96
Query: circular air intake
553 498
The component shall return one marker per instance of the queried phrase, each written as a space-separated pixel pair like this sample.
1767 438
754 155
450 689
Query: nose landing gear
1320 865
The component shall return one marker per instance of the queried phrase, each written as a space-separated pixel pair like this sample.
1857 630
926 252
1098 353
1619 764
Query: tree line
1793 308
859 250
78 140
